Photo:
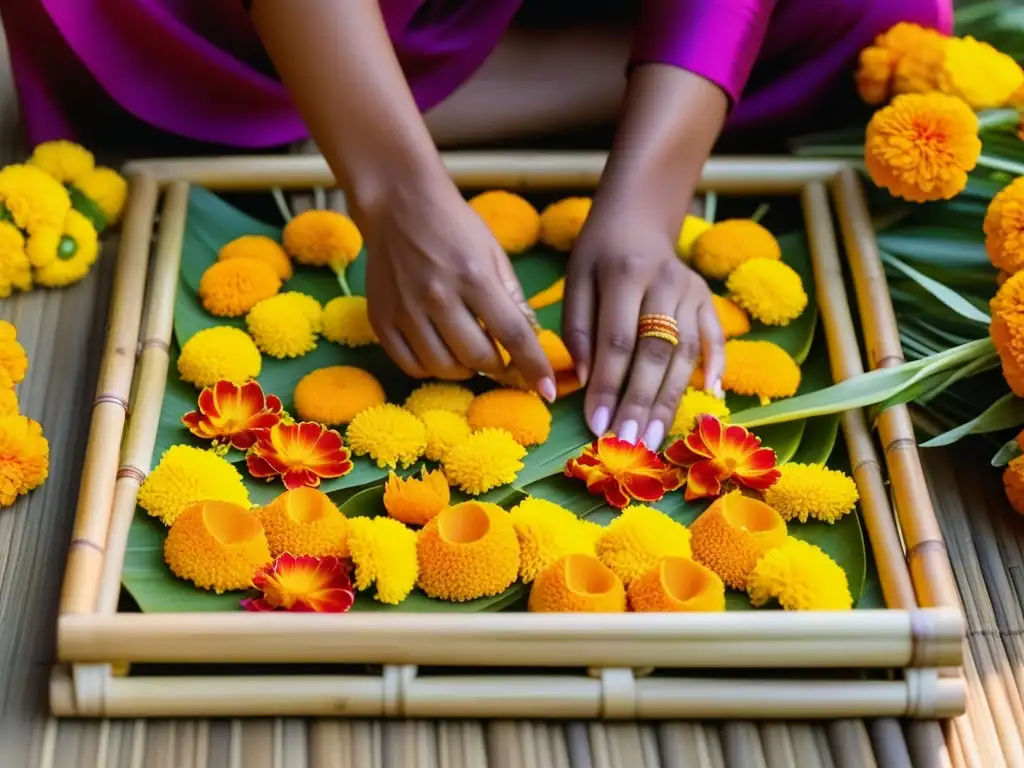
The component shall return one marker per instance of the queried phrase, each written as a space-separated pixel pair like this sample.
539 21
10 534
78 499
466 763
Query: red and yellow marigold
230 414
301 454
303 584
622 471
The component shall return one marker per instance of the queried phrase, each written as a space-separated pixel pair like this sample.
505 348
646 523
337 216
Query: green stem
830 150
998 164
710 207
998 118
343 281
975 13
759 214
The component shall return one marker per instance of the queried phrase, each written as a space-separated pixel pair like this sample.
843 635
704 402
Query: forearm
670 122
337 62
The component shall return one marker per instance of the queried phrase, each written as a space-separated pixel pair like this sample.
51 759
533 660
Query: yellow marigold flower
77 250
388 434
322 238
439 396
186 475
383 552
1004 228
577 583
677 584
979 74
216 545
1013 483
591 531
444 431
521 413
729 243
770 291
231 288
304 521
63 160
261 248
8 403
15 268
733 319
561 222
812 490
280 326
694 403
107 189
637 540
468 551
33 198
24 457
346 321
336 395
547 532
922 146
416 501
733 533
693 227
13 360
514 223
42 246
486 459
761 369
801 577
221 352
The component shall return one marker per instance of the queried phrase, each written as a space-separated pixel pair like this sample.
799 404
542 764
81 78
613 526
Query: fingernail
599 420
654 435
547 389
582 373
628 431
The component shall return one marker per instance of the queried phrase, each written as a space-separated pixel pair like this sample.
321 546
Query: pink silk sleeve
718 40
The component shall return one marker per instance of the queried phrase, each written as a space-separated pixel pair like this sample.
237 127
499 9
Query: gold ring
658 318
671 337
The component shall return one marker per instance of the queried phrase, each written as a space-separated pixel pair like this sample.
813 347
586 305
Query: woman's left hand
624 267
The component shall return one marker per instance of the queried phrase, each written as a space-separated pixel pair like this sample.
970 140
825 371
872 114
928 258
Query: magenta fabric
194 68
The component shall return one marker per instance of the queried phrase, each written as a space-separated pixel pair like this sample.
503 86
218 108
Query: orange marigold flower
716 455
904 59
304 584
562 221
261 248
922 146
24 457
677 584
553 294
577 583
514 223
301 454
322 238
732 535
231 288
733 318
623 472
729 243
1007 330
304 521
875 70
229 414
1013 483
1004 228
759 369
566 380
336 394
416 501
523 414
13 360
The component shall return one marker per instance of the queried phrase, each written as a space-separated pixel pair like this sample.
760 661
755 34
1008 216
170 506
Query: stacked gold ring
656 326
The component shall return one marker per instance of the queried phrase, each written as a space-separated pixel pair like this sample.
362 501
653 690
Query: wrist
380 181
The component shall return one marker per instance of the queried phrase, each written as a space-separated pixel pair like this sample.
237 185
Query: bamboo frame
915 639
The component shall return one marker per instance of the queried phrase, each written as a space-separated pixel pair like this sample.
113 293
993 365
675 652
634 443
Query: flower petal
679 453
703 481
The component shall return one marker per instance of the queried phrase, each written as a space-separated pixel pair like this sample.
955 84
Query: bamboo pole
926 550
151 380
517 170
844 356
85 558
519 696
868 638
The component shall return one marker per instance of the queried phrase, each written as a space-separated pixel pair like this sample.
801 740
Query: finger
613 350
712 346
472 347
429 348
514 329
650 365
685 357
398 349
578 318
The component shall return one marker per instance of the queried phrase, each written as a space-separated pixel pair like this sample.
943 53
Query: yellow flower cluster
52 209
912 59
24 451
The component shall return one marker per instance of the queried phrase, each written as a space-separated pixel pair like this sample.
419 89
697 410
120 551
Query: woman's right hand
436 279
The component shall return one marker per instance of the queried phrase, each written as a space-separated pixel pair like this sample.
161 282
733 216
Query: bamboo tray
906 659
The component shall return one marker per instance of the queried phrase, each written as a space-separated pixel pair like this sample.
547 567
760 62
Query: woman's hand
622 268
434 274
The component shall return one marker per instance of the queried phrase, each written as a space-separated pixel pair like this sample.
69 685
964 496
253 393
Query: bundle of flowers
24 451
298 469
53 209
